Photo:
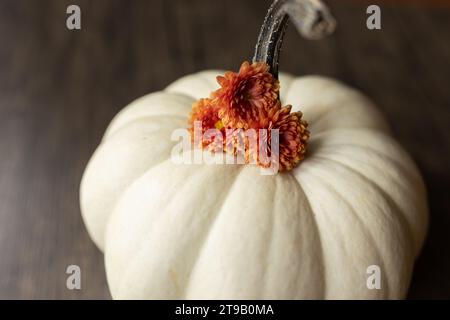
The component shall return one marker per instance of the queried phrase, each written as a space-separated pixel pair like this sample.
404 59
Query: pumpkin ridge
324 116
270 238
179 85
176 91
318 234
111 134
89 200
218 211
381 155
353 144
124 192
398 216
403 223
362 225
151 104
144 238
398 165
211 82
343 96
407 170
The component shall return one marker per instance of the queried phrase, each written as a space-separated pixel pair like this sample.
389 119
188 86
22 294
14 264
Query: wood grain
59 89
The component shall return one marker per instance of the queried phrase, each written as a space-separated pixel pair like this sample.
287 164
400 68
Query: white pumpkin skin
173 231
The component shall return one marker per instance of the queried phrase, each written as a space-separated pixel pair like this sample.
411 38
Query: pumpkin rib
270 238
305 286
362 226
398 165
389 198
94 187
356 144
138 252
406 221
208 232
371 237
317 96
406 173
144 239
412 174
399 217
124 189
210 77
331 150
196 85
319 237
317 127
399 214
146 118
141 108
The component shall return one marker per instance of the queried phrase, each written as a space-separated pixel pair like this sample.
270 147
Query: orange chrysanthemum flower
205 112
243 93
247 102
292 137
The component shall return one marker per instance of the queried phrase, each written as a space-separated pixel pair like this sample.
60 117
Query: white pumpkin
227 232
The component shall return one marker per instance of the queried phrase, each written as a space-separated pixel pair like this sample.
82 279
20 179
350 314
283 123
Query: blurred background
59 89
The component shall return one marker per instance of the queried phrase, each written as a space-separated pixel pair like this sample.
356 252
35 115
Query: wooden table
60 88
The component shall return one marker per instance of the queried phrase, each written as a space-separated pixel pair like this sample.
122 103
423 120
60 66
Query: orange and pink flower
246 100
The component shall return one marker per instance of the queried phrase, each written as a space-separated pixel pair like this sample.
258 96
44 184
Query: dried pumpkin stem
311 18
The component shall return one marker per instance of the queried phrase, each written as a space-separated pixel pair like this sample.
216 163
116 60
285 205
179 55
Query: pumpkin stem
311 18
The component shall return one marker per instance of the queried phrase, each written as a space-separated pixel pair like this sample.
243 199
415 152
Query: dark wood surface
60 88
